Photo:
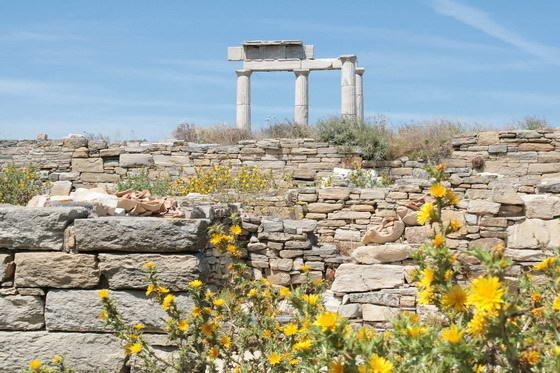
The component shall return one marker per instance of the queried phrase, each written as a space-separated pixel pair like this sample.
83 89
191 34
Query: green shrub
288 130
18 186
371 137
142 181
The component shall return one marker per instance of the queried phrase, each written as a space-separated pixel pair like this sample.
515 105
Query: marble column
360 93
243 117
348 86
301 108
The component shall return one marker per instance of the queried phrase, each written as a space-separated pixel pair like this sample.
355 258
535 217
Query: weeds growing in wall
18 186
143 181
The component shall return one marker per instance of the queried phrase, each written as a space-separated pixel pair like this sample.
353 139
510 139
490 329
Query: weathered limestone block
87 165
135 160
356 277
350 310
417 235
299 226
349 215
334 193
270 224
61 188
21 312
78 310
92 177
140 234
280 278
375 236
36 228
488 138
126 271
83 352
346 235
525 255
481 207
377 297
507 195
534 234
372 312
541 206
171 160
549 186
539 147
56 270
6 267
321 207
377 193
381 254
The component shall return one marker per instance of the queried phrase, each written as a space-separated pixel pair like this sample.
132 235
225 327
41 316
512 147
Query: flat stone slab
361 278
78 310
140 234
56 270
381 253
21 312
534 234
83 352
126 271
36 228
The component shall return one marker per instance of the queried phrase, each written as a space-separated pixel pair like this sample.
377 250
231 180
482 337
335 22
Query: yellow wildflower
303 345
103 294
536 297
531 357
545 264
426 296
378 364
218 302
537 312
452 334
478 324
149 265
305 268
290 329
275 358
427 278
416 331
196 311
162 290
56 359
103 315
284 292
486 294
438 240
213 353
216 239
132 348
455 225
365 333
336 367
208 328
438 190
311 299
425 214
267 333
167 301
235 230
195 284
150 289
182 325
556 303
252 293
226 341
327 320
138 326
455 299
35 365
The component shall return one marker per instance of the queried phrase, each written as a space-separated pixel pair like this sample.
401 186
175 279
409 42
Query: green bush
142 181
18 186
288 130
370 137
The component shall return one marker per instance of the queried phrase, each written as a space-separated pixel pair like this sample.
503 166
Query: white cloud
481 21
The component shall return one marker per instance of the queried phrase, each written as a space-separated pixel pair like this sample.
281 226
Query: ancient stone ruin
293 55
53 259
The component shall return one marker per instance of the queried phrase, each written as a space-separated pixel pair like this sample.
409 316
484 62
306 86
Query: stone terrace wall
94 162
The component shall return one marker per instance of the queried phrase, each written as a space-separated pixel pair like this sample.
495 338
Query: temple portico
293 55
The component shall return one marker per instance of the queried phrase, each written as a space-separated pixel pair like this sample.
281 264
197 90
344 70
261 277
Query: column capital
243 72
301 72
348 57
360 70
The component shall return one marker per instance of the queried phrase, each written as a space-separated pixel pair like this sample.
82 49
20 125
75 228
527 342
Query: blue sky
137 68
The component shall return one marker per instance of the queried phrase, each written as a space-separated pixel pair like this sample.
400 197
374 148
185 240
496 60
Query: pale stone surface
551 185
56 270
541 206
280 278
334 193
346 235
534 234
21 312
372 312
350 310
299 226
381 254
140 234
486 243
6 267
61 188
373 193
377 297
87 165
18 348
356 277
525 255
417 235
243 104
346 214
126 271
36 228
135 160
92 177
321 207
78 310
481 207
488 138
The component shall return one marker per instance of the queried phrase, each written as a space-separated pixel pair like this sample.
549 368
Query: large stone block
21 312
135 160
381 254
94 177
83 352
126 271
360 278
481 207
140 234
321 207
334 193
87 165
347 214
78 310
371 312
534 234
56 270
36 228
507 195
541 206
6 267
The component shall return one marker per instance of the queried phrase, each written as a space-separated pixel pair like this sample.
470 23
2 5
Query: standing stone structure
293 55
